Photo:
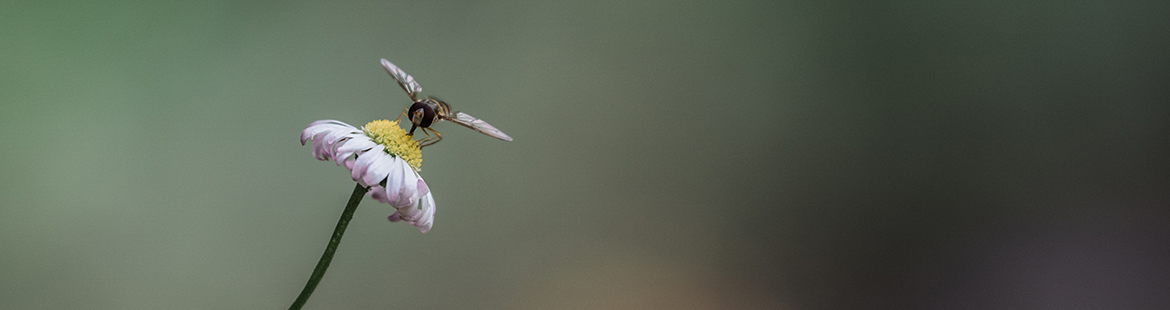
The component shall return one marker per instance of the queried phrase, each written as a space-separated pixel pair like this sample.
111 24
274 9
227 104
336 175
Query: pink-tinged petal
410 214
331 148
332 134
427 219
378 169
315 131
412 211
337 135
349 163
387 192
409 210
363 162
321 149
394 182
408 191
345 138
330 122
423 189
332 138
323 142
322 125
318 145
420 214
378 193
305 135
356 145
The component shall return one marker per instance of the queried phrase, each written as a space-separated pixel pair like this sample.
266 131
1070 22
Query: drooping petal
408 190
378 193
378 169
319 151
320 147
355 145
427 219
325 136
321 126
394 183
425 214
363 163
411 212
423 189
332 138
408 214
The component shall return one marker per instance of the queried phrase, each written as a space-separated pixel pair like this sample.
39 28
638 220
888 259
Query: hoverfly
428 111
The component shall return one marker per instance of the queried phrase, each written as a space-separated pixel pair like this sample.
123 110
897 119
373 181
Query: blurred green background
668 154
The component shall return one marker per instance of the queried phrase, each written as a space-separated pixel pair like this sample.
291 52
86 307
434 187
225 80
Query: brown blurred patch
616 277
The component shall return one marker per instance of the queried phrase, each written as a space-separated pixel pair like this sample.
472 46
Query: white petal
329 122
408 191
333 137
410 214
416 203
394 182
322 125
318 133
378 169
427 219
363 162
410 211
324 139
353 146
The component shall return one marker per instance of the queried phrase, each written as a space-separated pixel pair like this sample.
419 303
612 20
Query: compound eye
421 114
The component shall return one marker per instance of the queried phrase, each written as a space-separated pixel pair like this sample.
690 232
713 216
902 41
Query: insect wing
479 125
405 80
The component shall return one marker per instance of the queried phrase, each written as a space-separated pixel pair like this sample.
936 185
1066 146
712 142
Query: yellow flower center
396 141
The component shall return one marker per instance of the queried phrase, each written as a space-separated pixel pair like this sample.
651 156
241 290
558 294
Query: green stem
326 257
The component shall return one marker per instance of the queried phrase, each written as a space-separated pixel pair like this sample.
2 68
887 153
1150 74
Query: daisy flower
381 157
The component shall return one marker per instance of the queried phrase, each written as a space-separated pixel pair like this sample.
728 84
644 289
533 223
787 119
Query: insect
425 112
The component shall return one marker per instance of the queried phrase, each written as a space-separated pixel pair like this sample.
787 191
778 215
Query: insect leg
423 140
428 140
401 114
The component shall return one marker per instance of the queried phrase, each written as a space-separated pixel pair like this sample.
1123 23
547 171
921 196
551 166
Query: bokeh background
668 154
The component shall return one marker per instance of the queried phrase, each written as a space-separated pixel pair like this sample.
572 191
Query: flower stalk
358 192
